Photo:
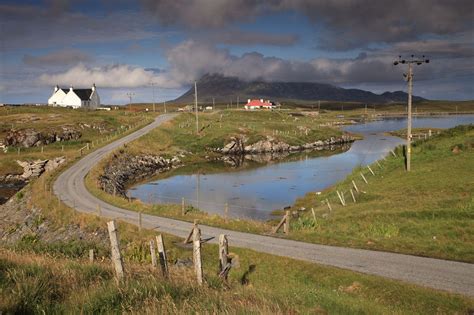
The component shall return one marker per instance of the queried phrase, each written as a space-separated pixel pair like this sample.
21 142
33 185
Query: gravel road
456 277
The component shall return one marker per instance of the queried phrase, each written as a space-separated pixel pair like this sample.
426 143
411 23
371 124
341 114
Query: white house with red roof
259 104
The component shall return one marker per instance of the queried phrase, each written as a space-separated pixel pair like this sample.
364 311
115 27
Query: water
254 193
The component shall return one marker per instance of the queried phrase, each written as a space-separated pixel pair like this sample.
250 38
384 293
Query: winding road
456 277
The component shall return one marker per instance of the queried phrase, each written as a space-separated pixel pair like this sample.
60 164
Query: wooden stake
197 254
162 255
363 177
223 256
340 198
378 164
188 239
182 206
153 253
368 166
355 186
393 153
286 226
329 205
353 197
91 255
226 211
275 230
116 255
314 215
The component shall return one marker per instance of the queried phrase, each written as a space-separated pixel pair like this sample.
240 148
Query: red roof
259 103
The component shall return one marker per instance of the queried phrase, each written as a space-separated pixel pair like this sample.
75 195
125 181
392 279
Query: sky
156 49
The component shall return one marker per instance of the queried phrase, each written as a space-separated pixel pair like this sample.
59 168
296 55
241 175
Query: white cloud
111 76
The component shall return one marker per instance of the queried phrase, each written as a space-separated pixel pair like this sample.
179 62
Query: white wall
57 98
71 99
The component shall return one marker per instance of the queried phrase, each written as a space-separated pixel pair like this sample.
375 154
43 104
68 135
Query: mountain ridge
223 89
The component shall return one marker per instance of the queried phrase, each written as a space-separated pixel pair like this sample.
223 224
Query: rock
125 169
30 137
183 263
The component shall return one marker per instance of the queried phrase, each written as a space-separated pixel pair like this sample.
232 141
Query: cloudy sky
124 45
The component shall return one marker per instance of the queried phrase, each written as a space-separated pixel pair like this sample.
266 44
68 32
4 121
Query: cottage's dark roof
84 94
65 90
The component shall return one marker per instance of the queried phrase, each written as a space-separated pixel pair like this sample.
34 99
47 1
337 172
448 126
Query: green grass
44 119
33 283
428 211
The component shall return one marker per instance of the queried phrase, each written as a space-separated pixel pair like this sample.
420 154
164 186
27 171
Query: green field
45 119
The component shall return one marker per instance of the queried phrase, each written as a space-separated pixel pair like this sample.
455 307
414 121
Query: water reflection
254 193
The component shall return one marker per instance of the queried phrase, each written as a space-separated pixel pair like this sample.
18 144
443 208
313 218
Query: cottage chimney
56 88
261 100
248 101
93 87
71 88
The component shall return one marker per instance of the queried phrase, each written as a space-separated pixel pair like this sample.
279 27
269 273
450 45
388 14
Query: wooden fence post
314 215
223 256
353 197
393 153
368 166
91 255
363 177
116 255
355 186
378 164
340 198
286 226
182 206
197 254
329 205
162 255
153 253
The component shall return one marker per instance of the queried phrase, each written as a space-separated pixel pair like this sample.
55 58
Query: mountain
224 89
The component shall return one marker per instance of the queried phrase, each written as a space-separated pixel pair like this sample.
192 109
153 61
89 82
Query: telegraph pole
196 106
409 79
130 94
164 105
153 91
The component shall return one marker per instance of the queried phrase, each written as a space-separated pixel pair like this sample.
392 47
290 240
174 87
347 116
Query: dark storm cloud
238 37
347 24
57 58
30 26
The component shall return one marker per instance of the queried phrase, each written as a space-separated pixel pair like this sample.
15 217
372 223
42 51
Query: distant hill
223 89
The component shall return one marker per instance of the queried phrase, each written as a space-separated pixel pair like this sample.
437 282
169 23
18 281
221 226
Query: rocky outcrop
10 184
30 137
238 146
125 169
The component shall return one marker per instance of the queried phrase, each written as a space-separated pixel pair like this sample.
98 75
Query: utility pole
196 106
153 91
409 79
213 103
164 105
130 94
238 102
319 106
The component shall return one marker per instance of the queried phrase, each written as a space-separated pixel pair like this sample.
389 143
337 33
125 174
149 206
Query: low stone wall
125 169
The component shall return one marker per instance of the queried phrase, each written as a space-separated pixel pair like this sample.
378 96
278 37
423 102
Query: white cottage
75 98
